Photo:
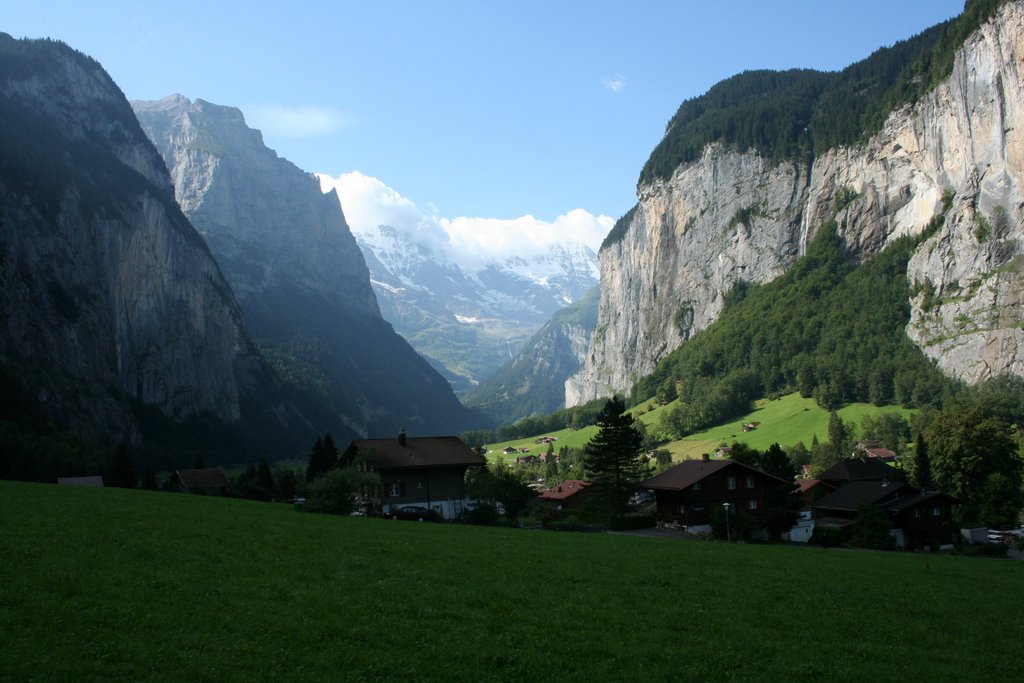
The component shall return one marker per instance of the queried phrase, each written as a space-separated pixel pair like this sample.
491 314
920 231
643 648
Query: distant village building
567 495
93 481
209 481
427 472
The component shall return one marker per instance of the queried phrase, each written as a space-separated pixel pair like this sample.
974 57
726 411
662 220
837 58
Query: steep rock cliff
107 291
286 250
735 216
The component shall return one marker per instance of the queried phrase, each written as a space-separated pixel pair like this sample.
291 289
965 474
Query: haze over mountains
467 292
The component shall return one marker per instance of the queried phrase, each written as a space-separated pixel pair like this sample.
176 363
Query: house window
750 482
730 483
682 509
936 511
917 512
696 486
397 489
752 504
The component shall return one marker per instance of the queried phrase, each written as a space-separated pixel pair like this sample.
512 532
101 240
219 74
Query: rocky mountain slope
735 215
300 278
469 320
532 383
111 302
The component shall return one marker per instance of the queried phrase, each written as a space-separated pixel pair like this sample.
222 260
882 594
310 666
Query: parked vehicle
414 512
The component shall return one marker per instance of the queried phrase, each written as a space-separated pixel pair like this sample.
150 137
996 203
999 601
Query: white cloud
296 122
615 83
470 242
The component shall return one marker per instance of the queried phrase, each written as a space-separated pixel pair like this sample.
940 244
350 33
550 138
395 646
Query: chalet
525 459
872 448
426 471
567 495
687 494
509 450
94 481
751 426
919 518
210 481
812 490
860 469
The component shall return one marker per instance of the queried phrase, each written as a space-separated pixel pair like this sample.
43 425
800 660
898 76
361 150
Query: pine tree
922 465
122 469
265 477
613 459
322 458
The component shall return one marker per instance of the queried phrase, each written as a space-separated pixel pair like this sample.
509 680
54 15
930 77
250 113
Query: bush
631 522
483 514
828 536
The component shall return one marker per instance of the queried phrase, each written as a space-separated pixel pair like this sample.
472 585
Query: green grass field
114 585
786 421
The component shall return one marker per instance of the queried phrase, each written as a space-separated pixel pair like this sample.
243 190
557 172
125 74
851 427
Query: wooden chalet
210 481
95 481
566 496
919 518
687 494
426 471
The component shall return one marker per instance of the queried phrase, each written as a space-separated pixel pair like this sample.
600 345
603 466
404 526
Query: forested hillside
827 328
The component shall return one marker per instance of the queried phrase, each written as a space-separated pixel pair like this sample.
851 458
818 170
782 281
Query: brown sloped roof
688 472
567 489
423 451
209 478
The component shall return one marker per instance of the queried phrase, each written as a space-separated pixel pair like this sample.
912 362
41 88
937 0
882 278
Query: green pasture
116 585
786 421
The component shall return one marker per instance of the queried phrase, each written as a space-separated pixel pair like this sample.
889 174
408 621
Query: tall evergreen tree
613 458
322 458
922 465
265 476
121 472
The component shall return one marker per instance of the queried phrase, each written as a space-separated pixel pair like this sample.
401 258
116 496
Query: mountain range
175 285
467 313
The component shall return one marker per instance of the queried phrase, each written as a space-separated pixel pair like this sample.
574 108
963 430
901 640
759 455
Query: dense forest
826 328
796 114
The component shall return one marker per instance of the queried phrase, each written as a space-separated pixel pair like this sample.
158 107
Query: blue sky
487 109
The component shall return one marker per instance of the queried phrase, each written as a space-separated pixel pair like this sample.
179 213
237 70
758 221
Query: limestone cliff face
106 290
302 282
732 217
249 203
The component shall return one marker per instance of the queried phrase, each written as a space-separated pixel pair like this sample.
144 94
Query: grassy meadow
785 420
115 585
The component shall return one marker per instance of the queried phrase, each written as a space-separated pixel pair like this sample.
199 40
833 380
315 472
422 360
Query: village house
688 494
919 518
210 481
427 472
566 496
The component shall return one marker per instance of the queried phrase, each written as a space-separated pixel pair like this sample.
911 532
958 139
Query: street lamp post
728 536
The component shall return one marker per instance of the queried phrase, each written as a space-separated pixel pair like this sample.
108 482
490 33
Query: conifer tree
612 459
922 465
322 458
122 469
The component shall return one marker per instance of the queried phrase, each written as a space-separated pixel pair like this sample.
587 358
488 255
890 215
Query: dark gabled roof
805 485
423 451
857 493
860 469
918 498
688 472
209 478
95 480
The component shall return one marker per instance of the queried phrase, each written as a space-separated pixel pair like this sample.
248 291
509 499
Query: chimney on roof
706 457
401 437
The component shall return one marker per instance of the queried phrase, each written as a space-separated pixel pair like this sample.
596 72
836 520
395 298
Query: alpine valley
169 282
